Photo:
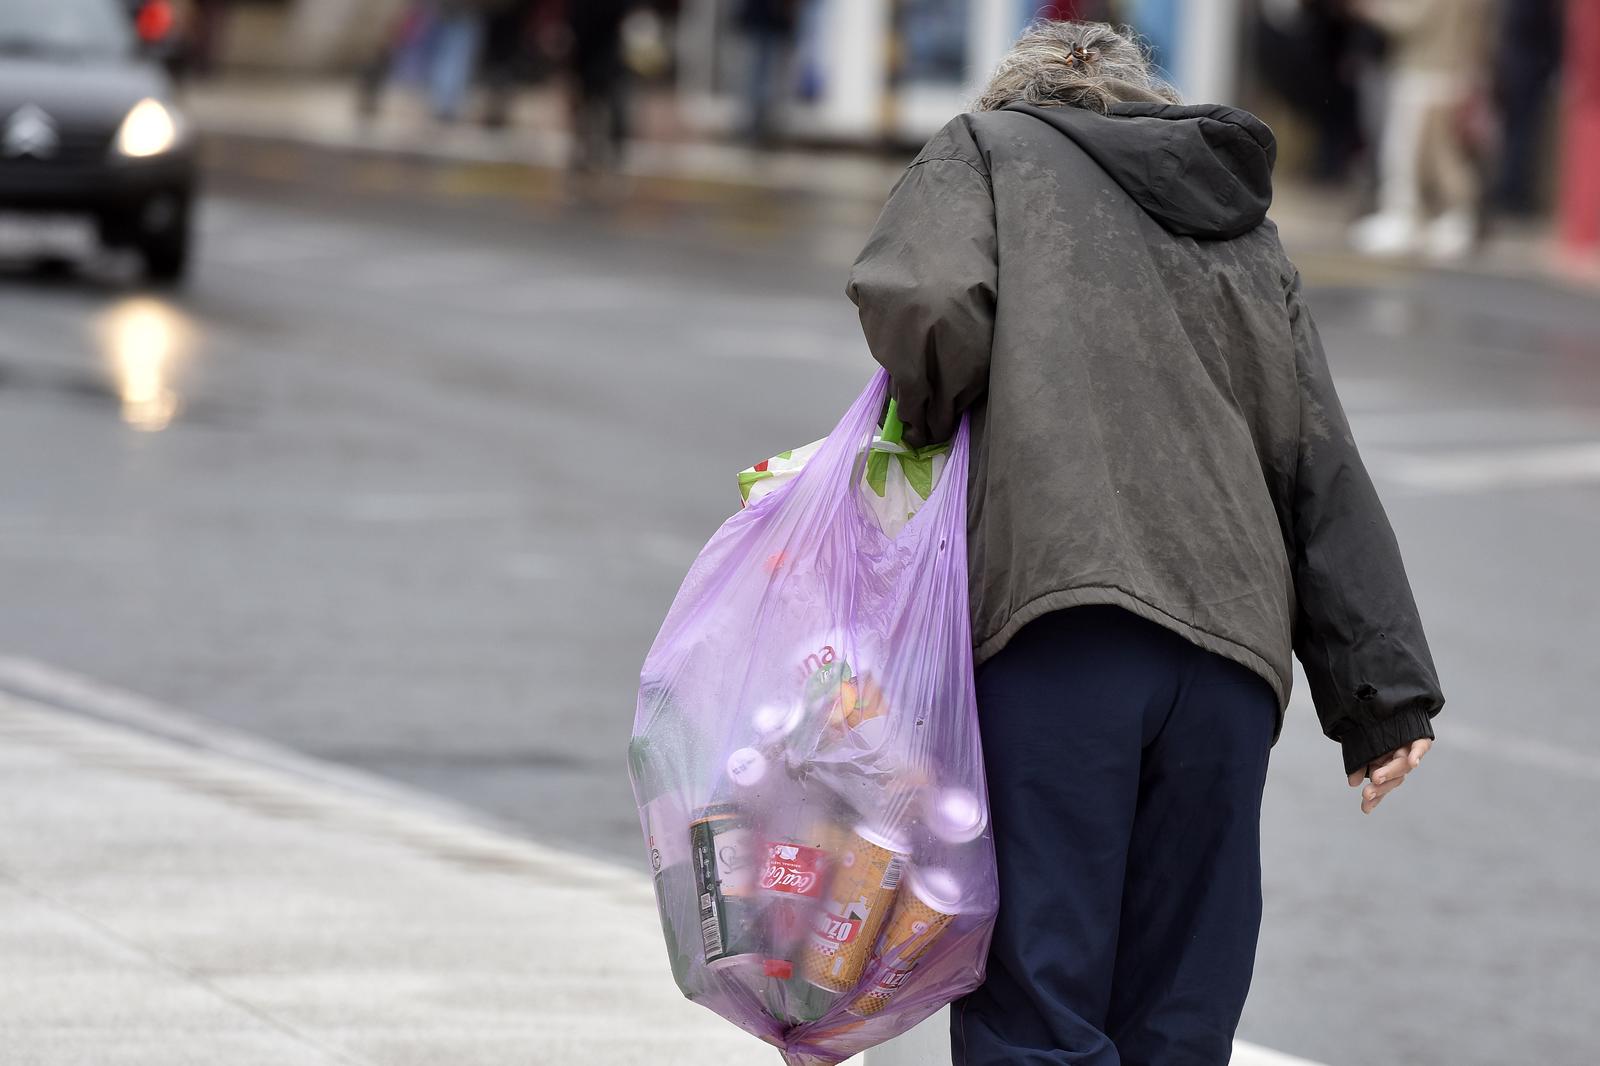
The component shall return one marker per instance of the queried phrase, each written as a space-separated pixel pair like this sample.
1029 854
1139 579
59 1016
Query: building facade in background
858 70
896 70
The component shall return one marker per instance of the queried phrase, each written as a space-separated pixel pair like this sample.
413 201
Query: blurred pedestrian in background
769 29
1528 58
600 84
455 38
504 47
431 43
1307 55
1428 181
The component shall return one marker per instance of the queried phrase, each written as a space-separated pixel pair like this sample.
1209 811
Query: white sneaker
1384 236
1452 236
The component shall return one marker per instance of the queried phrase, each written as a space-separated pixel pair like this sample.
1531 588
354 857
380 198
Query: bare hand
1388 772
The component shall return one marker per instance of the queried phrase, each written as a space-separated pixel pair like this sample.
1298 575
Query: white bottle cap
746 767
955 814
774 721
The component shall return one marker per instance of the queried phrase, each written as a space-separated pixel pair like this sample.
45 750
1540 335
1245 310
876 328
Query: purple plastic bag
806 762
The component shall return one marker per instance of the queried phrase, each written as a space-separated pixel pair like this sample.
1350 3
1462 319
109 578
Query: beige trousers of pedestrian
1423 161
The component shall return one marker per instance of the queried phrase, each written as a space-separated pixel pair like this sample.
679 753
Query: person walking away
504 46
1428 181
600 104
456 39
1166 504
1306 50
769 29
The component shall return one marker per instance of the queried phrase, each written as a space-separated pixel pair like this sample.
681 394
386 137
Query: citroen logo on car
29 132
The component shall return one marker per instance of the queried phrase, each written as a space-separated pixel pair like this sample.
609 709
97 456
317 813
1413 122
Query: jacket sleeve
1357 630
925 287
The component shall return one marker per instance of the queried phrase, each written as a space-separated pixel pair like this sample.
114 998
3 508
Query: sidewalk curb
129 733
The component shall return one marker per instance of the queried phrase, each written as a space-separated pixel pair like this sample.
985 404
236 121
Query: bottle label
793 869
667 832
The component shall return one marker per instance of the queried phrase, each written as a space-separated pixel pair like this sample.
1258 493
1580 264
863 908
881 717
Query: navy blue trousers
1125 770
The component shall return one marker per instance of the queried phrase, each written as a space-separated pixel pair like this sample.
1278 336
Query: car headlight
149 129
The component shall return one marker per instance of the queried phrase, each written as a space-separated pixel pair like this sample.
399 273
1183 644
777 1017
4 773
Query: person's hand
1388 772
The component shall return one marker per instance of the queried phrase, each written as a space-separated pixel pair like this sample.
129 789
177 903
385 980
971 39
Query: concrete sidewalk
323 114
162 905
174 893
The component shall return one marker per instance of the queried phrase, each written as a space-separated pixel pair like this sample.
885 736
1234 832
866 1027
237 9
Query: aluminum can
863 887
923 910
725 864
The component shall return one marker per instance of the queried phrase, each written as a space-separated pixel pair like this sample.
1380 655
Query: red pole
1580 169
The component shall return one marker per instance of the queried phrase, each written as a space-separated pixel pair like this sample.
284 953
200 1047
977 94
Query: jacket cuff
1379 738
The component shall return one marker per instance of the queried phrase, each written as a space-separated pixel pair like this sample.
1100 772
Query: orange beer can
922 912
865 877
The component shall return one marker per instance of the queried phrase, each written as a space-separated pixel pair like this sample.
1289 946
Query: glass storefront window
933 40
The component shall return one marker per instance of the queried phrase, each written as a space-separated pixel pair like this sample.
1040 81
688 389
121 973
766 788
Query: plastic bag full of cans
806 761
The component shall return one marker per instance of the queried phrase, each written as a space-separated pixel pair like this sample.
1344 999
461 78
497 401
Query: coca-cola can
791 886
793 871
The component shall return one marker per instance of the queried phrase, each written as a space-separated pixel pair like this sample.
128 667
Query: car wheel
166 254
118 231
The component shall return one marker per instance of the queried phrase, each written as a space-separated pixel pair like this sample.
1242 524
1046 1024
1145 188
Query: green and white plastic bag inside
896 483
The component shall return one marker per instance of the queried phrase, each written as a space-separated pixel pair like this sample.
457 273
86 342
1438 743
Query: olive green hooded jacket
1153 421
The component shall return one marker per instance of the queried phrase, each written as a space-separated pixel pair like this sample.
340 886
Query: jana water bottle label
667 831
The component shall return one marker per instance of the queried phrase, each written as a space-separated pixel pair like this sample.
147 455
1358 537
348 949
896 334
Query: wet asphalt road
410 488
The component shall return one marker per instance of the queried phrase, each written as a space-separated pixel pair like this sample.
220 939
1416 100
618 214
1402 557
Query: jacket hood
1202 171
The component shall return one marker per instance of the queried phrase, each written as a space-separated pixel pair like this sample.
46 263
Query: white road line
1252 1055
1483 471
1530 425
1530 753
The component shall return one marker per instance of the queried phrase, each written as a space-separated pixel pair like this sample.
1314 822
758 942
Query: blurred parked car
88 127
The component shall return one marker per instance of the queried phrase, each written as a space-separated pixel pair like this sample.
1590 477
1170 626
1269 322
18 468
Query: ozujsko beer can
922 912
725 866
864 884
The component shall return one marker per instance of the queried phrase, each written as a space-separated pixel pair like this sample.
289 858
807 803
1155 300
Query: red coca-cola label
837 929
793 869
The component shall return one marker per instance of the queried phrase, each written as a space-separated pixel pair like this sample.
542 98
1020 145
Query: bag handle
846 454
894 430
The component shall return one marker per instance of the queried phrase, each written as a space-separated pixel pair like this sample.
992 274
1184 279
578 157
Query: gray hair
1074 64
